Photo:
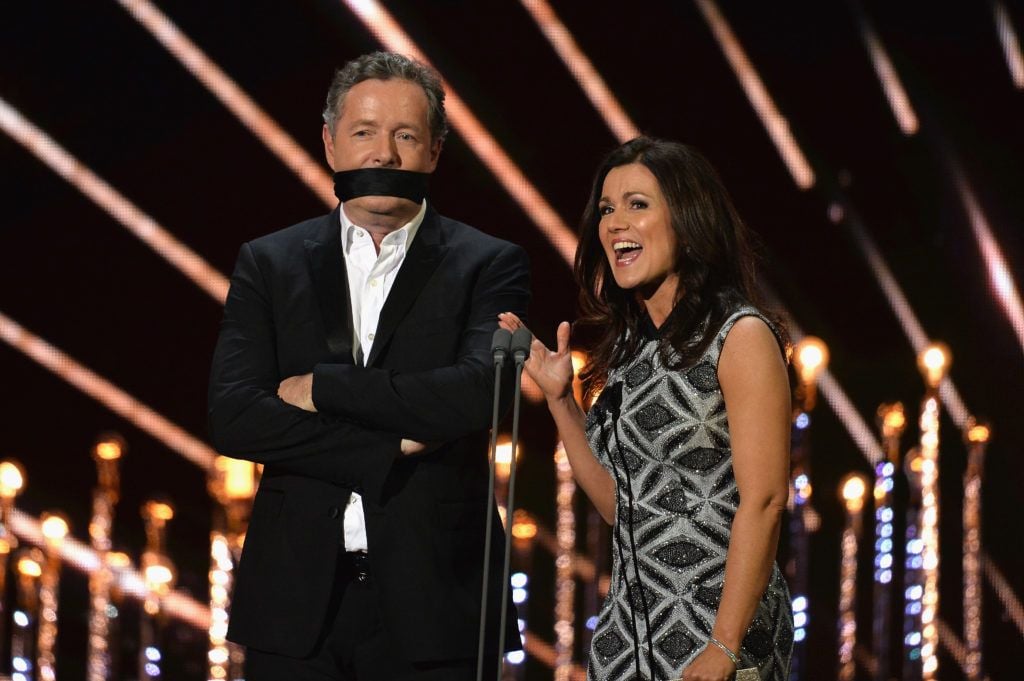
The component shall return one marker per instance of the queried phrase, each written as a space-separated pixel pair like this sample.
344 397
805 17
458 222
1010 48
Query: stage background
102 87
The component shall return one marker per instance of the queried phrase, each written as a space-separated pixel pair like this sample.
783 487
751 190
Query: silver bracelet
732 656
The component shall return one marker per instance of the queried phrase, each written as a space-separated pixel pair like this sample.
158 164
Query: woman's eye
638 204
604 210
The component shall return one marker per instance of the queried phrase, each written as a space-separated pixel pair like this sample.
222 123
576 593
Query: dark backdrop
96 81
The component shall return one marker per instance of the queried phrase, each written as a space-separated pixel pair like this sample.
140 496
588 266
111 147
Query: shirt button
333 512
373 282
369 336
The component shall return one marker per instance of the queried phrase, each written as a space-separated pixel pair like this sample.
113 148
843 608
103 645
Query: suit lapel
330 280
420 262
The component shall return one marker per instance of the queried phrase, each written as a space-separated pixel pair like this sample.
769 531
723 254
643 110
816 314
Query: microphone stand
520 345
500 344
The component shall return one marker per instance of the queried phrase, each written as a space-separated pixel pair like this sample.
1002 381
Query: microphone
500 343
520 345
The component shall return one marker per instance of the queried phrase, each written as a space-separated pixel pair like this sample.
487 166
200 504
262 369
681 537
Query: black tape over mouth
403 184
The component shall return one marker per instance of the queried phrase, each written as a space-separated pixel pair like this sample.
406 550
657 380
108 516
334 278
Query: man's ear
328 145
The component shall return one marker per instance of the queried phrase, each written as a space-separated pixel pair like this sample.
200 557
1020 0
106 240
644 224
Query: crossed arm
364 413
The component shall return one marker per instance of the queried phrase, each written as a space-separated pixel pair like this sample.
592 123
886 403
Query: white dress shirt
370 277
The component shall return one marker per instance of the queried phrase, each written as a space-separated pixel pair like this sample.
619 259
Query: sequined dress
667 443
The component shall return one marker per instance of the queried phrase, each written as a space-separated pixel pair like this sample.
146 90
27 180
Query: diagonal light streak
83 558
582 70
900 104
1000 277
232 96
774 122
106 393
912 329
861 434
386 30
1010 43
1003 590
109 199
952 643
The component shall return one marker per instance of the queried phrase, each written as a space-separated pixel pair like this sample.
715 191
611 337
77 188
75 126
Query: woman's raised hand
551 371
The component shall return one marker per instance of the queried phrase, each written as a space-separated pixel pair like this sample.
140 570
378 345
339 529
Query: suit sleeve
247 420
435 405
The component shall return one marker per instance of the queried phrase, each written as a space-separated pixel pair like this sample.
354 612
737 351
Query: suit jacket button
333 512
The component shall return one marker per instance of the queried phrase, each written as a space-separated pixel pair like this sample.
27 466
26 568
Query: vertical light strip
384 27
1011 46
929 520
234 98
218 656
105 392
1007 597
1000 277
565 584
84 559
977 439
582 70
109 199
774 122
900 104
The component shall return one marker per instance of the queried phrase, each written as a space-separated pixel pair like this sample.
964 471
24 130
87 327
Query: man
348 342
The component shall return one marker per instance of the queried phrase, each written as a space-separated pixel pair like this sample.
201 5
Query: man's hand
298 392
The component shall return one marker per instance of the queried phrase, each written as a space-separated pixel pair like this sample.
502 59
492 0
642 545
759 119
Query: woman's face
636 231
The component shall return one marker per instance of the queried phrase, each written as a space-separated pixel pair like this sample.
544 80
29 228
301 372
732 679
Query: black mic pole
521 340
500 344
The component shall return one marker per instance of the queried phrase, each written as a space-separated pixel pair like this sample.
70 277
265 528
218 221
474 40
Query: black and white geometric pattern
667 444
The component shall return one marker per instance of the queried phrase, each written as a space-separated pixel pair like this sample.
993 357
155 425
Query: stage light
54 528
852 491
565 583
12 479
1011 46
232 96
934 361
774 122
900 104
523 526
106 393
976 436
145 228
582 70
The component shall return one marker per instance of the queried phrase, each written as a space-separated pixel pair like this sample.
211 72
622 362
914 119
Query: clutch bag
749 674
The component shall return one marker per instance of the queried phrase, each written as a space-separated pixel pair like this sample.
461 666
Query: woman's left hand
711 665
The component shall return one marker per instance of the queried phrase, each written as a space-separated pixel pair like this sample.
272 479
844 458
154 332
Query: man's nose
385 153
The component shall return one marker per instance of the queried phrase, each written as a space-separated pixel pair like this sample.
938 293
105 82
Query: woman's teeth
626 251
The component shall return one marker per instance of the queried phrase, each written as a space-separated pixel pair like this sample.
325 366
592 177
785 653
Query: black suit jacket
429 377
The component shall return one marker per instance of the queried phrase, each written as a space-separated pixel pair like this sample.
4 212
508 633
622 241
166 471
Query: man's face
383 124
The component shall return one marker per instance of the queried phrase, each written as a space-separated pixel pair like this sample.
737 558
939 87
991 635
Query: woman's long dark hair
714 259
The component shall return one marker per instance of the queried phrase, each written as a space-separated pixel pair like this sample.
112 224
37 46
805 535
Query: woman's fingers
563 338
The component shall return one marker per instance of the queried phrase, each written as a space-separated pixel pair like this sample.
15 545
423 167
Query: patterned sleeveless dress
663 435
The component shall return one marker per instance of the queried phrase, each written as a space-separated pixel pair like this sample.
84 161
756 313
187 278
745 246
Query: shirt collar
403 235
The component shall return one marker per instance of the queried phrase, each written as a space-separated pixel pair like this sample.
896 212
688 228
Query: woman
686 449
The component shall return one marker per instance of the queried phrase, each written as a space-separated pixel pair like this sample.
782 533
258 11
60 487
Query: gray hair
385 66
